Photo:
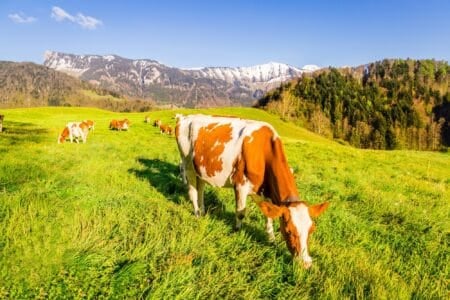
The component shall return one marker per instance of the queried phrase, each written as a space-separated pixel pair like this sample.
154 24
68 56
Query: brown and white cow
74 131
248 156
119 124
163 128
147 119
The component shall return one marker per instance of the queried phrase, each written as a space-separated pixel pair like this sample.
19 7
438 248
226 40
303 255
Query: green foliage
385 105
111 218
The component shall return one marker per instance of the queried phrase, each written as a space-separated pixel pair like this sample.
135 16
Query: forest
388 104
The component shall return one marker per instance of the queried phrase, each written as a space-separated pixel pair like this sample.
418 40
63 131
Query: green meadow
111 218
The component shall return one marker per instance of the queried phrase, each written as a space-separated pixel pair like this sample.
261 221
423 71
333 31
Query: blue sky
228 33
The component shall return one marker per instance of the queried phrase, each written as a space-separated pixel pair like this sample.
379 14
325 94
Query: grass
111 218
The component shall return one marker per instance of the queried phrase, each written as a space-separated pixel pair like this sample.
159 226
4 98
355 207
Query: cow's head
296 224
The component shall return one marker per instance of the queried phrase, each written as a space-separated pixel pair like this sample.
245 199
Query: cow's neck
281 184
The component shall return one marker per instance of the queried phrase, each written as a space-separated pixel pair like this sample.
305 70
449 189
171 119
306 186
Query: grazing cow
147 119
157 123
163 128
248 156
119 124
90 124
74 131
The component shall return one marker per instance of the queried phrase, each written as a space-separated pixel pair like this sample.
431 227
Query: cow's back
211 146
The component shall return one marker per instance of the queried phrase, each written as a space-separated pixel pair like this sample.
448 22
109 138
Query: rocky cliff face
149 79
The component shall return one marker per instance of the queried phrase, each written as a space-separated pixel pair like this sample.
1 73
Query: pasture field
111 218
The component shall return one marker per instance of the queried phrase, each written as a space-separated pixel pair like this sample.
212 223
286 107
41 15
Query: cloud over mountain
86 22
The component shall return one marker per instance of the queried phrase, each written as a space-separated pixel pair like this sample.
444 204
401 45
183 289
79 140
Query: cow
157 123
163 128
90 124
74 131
119 124
147 119
248 156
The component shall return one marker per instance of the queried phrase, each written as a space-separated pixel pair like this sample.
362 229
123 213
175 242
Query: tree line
388 104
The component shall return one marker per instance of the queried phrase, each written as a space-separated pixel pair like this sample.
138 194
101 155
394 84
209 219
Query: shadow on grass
165 178
18 133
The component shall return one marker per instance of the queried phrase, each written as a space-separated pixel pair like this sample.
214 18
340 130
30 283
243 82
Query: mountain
200 87
388 104
31 85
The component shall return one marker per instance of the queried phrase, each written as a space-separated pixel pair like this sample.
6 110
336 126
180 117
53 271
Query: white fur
302 221
76 132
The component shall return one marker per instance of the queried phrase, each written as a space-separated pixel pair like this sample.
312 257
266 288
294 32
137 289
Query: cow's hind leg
193 192
200 190
240 194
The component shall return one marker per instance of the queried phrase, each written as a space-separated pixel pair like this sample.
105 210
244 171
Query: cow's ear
270 210
318 209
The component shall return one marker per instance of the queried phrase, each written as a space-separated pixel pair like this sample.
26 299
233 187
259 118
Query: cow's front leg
200 194
240 194
269 229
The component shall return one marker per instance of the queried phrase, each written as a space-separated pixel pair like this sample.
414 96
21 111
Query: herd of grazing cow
243 154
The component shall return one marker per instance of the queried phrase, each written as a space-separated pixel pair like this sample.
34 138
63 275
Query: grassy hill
111 218
32 85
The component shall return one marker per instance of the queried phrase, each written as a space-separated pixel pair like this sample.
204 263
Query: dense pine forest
389 104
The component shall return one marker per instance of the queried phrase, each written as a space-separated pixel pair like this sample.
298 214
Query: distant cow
147 119
90 124
163 128
119 124
157 123
74 131
248 156
1 122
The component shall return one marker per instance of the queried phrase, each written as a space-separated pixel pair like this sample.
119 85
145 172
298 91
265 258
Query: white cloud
21 18
60 14
87 22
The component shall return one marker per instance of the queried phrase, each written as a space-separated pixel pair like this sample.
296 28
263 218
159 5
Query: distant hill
31 85
387 104
149 79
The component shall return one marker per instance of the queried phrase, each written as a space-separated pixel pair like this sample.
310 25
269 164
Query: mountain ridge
195 87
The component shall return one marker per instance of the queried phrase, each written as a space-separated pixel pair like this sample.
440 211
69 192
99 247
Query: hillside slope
389 104
31 85
111 218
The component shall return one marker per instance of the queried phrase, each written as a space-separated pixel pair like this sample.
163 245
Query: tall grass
110 218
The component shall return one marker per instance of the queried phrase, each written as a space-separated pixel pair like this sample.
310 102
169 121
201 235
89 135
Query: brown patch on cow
90 124
84 126
165 129
64 135
238 171
290 233
119 124
209 146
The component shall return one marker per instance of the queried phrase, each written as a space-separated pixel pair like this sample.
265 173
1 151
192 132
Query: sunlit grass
110 217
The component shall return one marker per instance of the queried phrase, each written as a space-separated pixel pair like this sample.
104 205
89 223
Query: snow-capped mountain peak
148 78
